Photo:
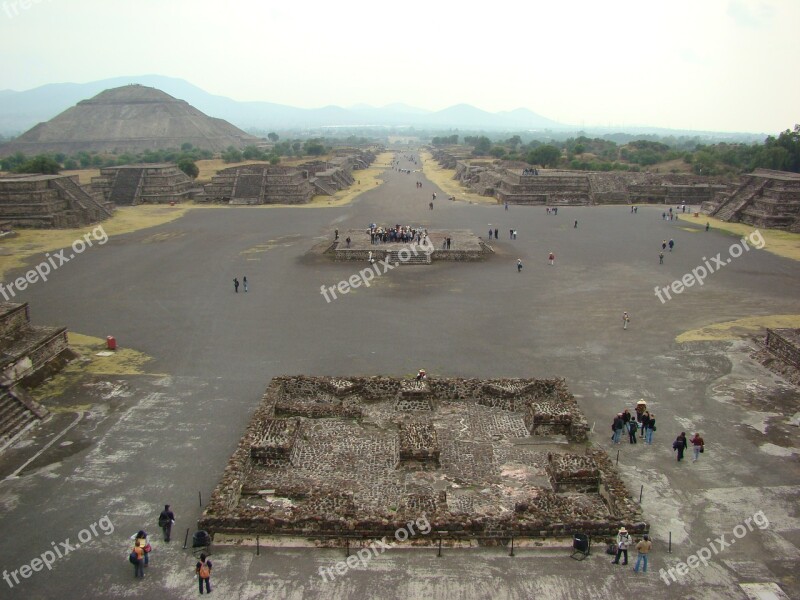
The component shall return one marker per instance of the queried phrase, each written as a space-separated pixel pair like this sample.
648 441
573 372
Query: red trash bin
111 342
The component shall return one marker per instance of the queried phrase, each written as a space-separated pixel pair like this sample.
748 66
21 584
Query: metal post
512 546
200 498
641 491
440 547
347 546
186 539
258 549
617 456
669 550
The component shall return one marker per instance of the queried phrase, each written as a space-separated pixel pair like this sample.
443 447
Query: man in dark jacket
165 521
680 445
618 425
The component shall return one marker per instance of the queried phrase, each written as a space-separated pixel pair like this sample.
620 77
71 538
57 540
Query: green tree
547 156
186 147
40 164
188 166
272 137
482 146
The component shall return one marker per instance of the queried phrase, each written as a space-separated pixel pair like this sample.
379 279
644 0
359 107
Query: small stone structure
50 201
784 344
765 198
28 353
277 184
162 183
465 246
517 183
467 461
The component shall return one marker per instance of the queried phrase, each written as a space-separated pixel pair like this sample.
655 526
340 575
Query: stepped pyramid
131 118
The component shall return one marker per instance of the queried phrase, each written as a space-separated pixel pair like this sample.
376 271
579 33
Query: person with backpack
651 427
203 570
165 521
617 426
137 558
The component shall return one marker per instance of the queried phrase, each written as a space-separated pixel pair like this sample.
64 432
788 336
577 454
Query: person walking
623 541
698 446
235 285
671 244
575 226
643 548
244 282
165 520
203 570
519 265
496 231
661 258
664 245
625 320
552 258
506 205
511 234
651 427
680 445
708 225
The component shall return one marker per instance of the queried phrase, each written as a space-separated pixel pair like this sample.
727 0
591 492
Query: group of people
530 171
398 233
140 556
552 210
642 422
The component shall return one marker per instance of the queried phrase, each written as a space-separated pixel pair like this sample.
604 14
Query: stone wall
785 344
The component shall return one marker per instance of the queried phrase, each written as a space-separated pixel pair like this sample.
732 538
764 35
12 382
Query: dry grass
730 330
15 251
443 178
778 242
84 175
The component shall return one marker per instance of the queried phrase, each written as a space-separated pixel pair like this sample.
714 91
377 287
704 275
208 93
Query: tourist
506 205
623 541
664 216
575 226
625 320
664 245
671 244
431 205
336 235
519 265
496 231
680 445
348 240
140 540
165 520
635 210
491 231
137 558
244 282
651 427
203 570
448 243
633 427
511 234
421 374
643 549
235 285
708 225
552 258
514 235
661 258
617 426
698 446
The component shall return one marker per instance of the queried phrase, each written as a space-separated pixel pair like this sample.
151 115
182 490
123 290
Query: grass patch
15 251
443 178
84 175
781 243
731 330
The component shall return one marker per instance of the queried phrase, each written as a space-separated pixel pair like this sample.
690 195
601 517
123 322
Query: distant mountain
19 111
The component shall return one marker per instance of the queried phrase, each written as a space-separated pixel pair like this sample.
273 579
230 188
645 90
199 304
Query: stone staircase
16 416
739 199
420 258
125 187
90 208
322 187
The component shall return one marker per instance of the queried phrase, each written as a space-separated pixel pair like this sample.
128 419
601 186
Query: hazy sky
726 65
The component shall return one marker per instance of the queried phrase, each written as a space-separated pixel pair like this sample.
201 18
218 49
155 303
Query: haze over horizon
720 65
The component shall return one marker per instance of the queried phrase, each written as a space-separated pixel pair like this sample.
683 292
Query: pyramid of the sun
131 118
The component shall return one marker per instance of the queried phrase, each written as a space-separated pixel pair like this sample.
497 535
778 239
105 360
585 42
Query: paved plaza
123 446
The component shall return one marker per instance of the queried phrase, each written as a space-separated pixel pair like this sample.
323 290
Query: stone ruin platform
326 460
464 246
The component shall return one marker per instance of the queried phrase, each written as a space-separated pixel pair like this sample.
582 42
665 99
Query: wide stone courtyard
123 445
